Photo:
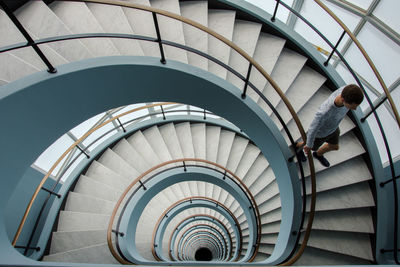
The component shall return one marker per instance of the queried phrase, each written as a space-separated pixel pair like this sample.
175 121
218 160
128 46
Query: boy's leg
300 154
332 143
326 148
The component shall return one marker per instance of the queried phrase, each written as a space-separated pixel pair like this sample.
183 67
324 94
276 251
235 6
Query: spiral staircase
343 227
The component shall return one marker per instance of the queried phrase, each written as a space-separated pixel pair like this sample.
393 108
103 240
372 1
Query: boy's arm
314 127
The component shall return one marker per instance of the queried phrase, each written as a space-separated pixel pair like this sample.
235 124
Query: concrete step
267 52
80 19
358 220
285 71
195 38
20 62
66 241
170 29
113 161
315 256
353 196
304 86
247 161
112 19
142 23
157 144
97 254
222 22
245 35
349 243
46 24
82 221
184 135
171 140
349 147
127 152
91 187
236 153
144 149
88 204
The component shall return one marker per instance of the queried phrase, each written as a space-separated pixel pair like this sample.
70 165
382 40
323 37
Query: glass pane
46 160
396 97
384 53
364 4
392 133
322 21
97 136
269 6
387 11
133 115
73 166
85 126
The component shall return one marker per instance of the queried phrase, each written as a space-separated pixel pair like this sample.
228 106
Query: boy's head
352 96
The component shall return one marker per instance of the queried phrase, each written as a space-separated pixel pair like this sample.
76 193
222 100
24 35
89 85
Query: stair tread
140 144
46 24
285 71
82 221
84 203
113 19
307 82
349 243
197 11
156 141
170 29
89 186
267 52
184 135
11 35
142 23
92 254
349 147
315 256
80 19
222 22
245 35
349 220
66 241
113 161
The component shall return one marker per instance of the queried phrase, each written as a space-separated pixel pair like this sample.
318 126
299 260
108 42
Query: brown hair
352 94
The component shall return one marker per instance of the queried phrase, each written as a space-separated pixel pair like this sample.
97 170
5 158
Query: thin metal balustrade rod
335 48
163 61
29 39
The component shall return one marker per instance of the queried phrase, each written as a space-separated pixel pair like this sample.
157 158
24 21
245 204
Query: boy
325 126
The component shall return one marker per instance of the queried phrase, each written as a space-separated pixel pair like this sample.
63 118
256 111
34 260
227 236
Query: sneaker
300 154
321 159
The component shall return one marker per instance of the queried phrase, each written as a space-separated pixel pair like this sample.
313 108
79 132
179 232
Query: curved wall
43 106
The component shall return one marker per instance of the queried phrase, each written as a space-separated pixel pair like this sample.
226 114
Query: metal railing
252 65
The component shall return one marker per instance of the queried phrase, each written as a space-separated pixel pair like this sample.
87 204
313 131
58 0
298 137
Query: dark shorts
332 139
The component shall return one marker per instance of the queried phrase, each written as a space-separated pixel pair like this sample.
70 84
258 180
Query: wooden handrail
42 182
131 185
366 56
